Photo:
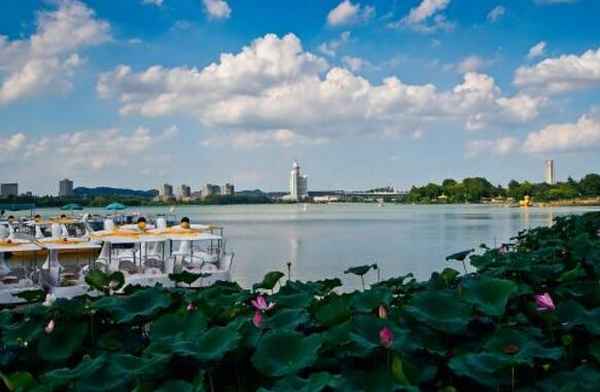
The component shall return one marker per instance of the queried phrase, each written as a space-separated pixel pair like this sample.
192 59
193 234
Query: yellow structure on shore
526 202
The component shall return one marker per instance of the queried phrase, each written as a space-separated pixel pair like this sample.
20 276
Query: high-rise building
298 184
65 188
228 190
210 190
185 191
166 192
9 189
549 172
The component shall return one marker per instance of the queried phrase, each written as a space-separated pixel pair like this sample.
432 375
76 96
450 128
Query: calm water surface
324 240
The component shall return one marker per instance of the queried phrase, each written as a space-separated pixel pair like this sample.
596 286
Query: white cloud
538 50
355 64
561 74
426 17
48 58
274 84
495 14
11 144
582 135
157 3
501 146
217 9
254 139
330 48
472 64
347 13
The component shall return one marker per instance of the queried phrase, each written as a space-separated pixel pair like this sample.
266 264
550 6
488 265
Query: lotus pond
527 319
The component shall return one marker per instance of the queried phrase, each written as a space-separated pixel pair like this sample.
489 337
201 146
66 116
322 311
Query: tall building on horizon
166 192
185 191
228 190
9 189
549 172
298 184
65 188
210 190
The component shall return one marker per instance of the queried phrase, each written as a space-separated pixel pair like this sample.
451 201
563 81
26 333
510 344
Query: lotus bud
50 327
190 307
382 312
386 337
257 319
50 299
544 302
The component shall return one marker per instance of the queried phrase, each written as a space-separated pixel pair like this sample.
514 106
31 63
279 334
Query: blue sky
363 93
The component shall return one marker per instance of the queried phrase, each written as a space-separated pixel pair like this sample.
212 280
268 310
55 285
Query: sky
363 93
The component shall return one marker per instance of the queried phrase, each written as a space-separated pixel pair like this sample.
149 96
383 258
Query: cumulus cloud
274 84
426 17
472 63
501 146
217 9
347 13
83 153
581 135
561 74
249 140
47 59
538 50
355 64
330 48
496 13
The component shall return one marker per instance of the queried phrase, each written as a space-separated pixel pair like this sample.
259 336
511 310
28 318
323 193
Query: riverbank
515 322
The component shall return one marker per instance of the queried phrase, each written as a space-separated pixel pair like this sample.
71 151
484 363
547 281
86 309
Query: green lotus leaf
176 386
184 324
460 256
282 353
573 314
326 285
368 300
186 277
378 380
585 378
359 270
577 273
144 303
523 346
19 332
490 295
287 319
316 382
440 310
594 350
102 281
217 342
65 340
32 296
270 280
333 309
488 369
365 335
19 381
293 299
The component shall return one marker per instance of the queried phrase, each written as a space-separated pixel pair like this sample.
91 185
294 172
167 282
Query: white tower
549 173
298 183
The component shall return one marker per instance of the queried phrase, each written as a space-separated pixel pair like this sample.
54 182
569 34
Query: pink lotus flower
50 327
260 303
190 307
257 319
544 302
386 337
382 312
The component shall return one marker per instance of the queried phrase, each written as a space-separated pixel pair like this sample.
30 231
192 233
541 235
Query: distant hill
108 191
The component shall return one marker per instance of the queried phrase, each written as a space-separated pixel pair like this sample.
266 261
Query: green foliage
480 331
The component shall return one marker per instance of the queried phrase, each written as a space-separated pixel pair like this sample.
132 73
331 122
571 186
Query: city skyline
367 92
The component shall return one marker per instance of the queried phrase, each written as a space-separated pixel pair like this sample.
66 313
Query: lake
324 240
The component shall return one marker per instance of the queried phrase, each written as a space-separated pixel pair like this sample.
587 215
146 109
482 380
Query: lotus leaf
359 270
104 282
176 386
287 319
521 346
32 295
440 310
65 340
316 382
282 353
184 324
490 295
489 369
333 310
573 314
368 300
460 256
270 280
585 378
143 303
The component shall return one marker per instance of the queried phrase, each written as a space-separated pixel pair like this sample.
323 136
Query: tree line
477 189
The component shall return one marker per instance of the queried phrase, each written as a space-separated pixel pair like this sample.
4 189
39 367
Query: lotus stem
465 267
289 267
513 378
362 280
